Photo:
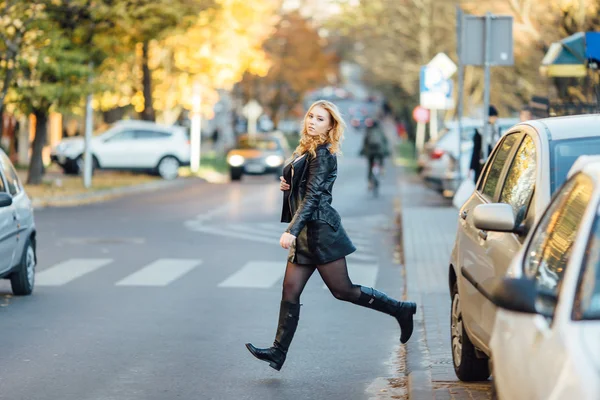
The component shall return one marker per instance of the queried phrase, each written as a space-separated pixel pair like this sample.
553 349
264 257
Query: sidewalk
429 227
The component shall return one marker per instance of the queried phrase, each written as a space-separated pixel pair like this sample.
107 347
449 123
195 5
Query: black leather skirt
319 243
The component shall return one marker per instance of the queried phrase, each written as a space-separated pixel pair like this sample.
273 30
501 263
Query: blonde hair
333 137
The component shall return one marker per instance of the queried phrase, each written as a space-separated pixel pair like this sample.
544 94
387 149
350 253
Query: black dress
320 236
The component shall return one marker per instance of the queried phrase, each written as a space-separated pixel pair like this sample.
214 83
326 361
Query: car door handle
464 214
483 234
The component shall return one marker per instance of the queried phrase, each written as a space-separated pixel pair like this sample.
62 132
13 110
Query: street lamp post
196 130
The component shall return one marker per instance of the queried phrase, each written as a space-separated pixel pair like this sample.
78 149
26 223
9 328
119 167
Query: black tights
334 274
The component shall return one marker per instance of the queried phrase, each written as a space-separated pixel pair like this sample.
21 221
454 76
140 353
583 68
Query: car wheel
168 168
23 278
79 165
235 174
467 366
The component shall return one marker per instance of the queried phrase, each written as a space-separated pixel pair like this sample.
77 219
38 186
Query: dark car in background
259 154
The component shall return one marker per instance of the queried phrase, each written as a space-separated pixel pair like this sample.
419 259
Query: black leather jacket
309 197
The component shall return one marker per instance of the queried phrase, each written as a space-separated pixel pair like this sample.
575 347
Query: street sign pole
87 152
487 137
252 110
461 72
196 130
433 124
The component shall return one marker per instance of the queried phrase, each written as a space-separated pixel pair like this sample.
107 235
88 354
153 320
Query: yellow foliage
224 43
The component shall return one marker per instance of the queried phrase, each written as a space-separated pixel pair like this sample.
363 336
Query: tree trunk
36 165
148 113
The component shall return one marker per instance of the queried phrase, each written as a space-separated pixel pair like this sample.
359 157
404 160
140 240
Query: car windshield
587 304
258 144
564 153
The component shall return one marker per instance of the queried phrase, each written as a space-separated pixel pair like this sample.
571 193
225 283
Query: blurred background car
439 157
129 145
259 154
517 182
17 231
549 303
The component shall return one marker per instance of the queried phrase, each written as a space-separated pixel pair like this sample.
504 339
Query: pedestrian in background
477 157
315 237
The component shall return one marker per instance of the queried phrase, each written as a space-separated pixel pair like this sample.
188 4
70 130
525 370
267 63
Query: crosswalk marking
237 235
256 274
362 274
160 273
275 235
69 270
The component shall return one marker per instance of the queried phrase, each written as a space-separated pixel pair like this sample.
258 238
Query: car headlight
274 161
236 160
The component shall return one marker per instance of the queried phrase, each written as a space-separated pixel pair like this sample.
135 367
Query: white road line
237 235
66 271
362 257
254 231
362 274
160 272
256 274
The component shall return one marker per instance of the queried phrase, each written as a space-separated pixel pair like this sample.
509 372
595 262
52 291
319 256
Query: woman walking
315 236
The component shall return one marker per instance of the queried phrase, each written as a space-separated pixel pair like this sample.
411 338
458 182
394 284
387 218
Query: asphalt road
153 296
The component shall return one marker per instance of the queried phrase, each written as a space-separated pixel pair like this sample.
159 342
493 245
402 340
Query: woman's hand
286 240
283 185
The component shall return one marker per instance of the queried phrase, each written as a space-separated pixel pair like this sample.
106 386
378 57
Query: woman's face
318 121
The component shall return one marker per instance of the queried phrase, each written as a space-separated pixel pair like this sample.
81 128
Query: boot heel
275 366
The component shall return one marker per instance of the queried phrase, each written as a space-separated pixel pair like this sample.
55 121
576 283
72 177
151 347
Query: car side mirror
5 199
522 295
497 217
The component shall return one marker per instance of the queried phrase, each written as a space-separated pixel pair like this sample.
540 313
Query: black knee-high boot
289 314
401 310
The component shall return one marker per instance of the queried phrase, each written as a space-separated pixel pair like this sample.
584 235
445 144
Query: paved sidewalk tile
429 228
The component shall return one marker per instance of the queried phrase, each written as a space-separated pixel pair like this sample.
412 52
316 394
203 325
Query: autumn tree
55 68
18 17
141 22
300 62
213 48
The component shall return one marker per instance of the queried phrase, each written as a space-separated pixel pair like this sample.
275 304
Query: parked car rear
17 231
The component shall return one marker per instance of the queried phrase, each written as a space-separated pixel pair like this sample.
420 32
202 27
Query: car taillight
436 154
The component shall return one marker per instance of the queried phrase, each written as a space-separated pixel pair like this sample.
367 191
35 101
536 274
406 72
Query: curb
417 364
103 195
419 385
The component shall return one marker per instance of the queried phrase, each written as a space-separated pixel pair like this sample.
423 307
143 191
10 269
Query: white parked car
516 184
129 145
546 337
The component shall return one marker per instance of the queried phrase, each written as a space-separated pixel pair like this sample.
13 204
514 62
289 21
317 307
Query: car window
124 135
550 247
564 153
150 135
520 179
587 297
12 178
497 165
2 187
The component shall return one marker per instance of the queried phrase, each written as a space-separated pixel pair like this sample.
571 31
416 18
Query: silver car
17 231
527 165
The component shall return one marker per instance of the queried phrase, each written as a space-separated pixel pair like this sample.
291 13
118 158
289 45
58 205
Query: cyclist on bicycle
375 145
